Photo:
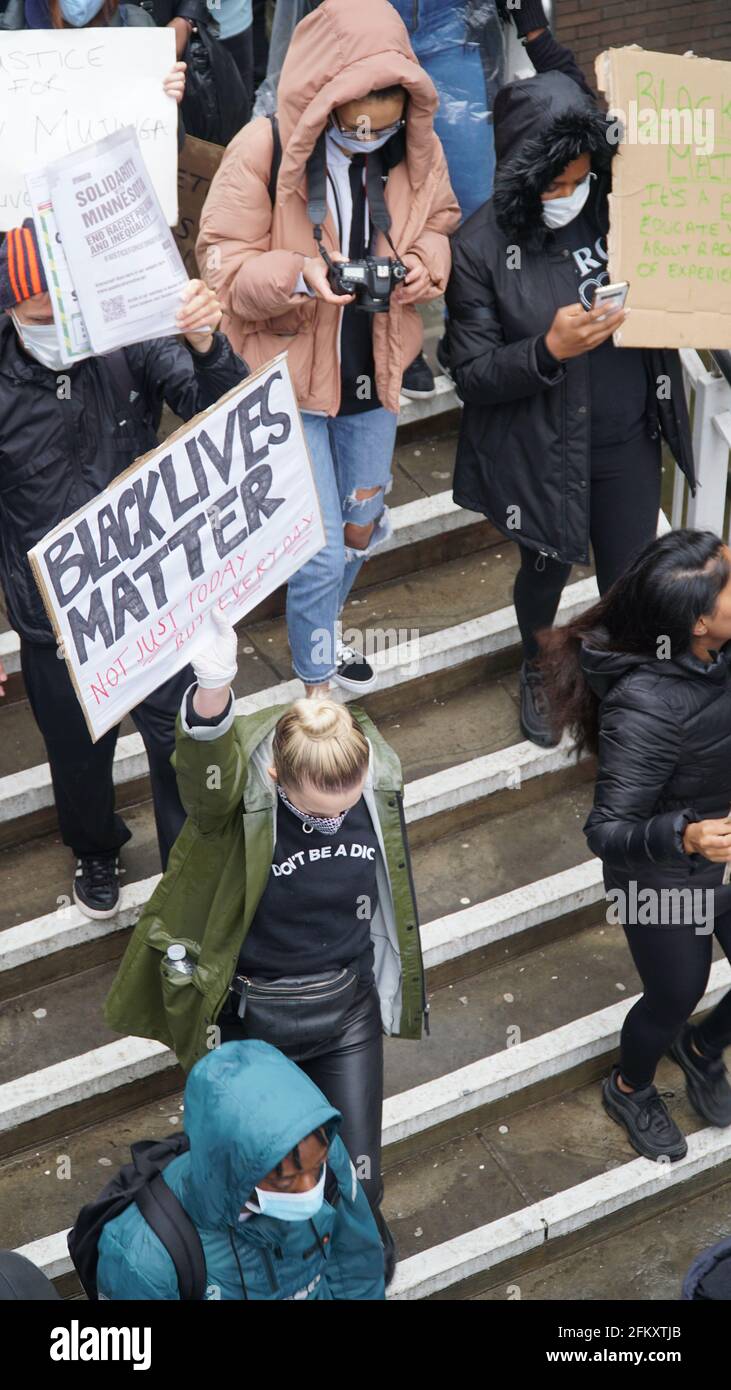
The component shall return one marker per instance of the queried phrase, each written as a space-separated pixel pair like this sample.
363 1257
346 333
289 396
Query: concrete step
618 1195
483 716
522 1013
557 1171
46 945
410 672
646 1259
46 1068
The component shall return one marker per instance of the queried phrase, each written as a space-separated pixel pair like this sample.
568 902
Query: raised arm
541 45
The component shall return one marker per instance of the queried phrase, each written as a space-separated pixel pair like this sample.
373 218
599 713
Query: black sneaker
353 671
706 1081
534 720
443 356
418 380
96 885
651 1130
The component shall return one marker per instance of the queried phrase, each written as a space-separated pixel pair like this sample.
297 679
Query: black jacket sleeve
487 370
639 745
168 369
548 55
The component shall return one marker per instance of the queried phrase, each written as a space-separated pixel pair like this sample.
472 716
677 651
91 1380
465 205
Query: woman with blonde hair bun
287 912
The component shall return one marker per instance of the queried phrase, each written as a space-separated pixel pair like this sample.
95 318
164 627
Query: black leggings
81 771
674 965
624 506
349 1072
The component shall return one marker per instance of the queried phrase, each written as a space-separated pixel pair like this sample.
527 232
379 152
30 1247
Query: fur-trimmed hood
541 124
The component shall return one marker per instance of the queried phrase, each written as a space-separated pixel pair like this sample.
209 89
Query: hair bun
321 718
318 742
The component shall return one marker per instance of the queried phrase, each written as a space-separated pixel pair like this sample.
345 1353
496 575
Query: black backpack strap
276 158
332 1187
173 1227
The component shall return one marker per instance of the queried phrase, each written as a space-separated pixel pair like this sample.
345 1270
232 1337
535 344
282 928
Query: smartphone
613 296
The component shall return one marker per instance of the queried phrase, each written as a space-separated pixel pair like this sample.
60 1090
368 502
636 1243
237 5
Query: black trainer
706 1081
353 671
534 708
96 885
418 380
651 1130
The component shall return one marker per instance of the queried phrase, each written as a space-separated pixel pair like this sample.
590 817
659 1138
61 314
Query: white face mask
354 145
41 341
557 212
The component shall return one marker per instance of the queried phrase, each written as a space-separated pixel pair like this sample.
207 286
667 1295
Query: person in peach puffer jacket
350 74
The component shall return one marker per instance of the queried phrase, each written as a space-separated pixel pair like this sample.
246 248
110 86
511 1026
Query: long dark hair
662 594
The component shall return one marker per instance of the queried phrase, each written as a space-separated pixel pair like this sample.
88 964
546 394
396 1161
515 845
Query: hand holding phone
613 297
575 331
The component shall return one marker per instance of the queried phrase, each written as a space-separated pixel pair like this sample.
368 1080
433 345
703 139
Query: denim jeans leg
313 592
362 449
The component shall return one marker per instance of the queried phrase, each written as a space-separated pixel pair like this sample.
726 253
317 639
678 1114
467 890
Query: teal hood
246 1106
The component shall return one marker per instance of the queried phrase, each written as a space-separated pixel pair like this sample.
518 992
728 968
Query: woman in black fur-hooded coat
560 436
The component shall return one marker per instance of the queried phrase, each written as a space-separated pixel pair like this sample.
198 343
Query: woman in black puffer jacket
644 680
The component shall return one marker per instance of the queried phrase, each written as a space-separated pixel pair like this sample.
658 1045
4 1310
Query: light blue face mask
292 1206
354 145
41 341
80 12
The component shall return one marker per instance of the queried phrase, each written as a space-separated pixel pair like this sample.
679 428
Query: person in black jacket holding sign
65 433
560 435
643 679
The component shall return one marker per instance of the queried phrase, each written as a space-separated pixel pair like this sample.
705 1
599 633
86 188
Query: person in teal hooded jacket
263 1139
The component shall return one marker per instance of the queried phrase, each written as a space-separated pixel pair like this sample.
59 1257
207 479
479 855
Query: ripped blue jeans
350 454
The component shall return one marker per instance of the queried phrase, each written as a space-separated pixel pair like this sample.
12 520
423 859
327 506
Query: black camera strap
317 185
317 193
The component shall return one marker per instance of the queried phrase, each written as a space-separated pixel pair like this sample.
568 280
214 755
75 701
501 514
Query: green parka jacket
215 878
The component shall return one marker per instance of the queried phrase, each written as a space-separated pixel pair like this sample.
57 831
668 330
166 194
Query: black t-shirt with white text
315 912
618 376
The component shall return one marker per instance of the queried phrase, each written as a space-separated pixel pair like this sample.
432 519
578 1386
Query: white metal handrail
709 401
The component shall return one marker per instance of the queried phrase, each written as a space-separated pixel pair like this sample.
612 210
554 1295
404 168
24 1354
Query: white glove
215 664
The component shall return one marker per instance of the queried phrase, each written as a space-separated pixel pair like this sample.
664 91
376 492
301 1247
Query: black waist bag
295 1011
216 103
141 1181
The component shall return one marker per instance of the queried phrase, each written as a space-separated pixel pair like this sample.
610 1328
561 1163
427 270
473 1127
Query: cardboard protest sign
61 89
197 164
123 258
221 514
670 205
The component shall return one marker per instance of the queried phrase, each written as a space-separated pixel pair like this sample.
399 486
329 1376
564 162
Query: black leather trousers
348 1068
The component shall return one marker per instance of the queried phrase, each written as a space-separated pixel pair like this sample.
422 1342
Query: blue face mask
80 12
292 1206
354 145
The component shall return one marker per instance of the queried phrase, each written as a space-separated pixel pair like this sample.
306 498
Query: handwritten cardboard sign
670 205
198 162
221 514
61 89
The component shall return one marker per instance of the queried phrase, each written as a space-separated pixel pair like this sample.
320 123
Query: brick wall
669 26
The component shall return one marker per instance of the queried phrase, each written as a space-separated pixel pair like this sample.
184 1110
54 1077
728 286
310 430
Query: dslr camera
370 280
